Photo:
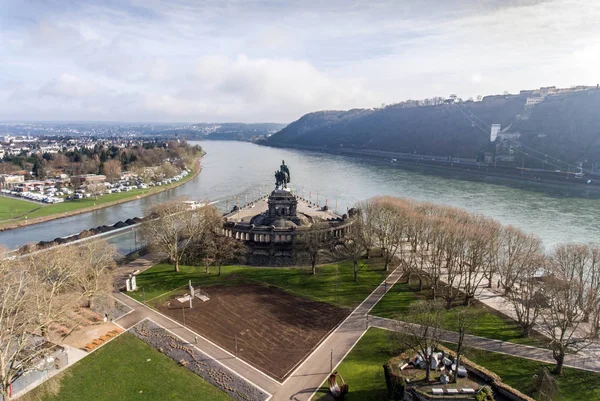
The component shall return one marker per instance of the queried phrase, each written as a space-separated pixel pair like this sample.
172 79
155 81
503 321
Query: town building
8 181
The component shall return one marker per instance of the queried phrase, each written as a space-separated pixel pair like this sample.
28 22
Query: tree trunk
527 330
313 269
4 393
560 360
355 271
176 265
420 282
219 270
368 253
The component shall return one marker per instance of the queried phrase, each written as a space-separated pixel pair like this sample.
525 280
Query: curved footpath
44 219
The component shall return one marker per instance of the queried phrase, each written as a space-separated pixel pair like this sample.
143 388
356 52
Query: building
91 178
495 130
10 181
532 101
509 136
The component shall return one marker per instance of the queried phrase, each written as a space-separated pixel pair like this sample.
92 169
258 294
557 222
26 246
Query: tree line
106 159
456 254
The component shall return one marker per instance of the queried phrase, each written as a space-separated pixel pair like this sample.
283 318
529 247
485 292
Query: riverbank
465 169
109 200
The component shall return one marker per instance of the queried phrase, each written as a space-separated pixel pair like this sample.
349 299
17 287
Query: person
196 340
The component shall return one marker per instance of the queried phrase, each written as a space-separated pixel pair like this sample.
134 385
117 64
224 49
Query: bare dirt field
275 330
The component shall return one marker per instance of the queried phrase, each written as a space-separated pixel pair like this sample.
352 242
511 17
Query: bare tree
221 249
352 247
592 306
34 293
172 228
464 321
454 250
96 189
479 237
516 249
388 218
112 170
527 299
94 273
312 243
566 275
424 334
367 215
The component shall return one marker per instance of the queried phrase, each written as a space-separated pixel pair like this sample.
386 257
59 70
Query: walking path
309 376
578 361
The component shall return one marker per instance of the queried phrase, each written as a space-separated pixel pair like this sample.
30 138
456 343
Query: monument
282 219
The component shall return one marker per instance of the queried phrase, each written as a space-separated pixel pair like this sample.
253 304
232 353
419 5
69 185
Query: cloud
69 86
256 60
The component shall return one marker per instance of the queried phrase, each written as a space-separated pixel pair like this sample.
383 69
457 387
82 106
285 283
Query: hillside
565 126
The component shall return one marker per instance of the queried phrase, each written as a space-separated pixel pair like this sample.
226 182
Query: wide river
245 170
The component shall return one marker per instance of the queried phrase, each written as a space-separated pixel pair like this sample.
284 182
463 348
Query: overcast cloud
251 60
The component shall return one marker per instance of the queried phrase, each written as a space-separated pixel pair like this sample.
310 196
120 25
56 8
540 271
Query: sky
273 61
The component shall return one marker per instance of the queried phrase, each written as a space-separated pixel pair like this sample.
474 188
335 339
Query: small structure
405 379
130 283
337 389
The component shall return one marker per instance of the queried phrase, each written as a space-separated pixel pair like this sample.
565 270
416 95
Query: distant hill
565 126
229 131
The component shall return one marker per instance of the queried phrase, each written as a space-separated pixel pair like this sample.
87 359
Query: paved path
578 361
140 264
309 376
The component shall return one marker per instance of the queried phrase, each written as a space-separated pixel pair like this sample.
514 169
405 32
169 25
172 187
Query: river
245 170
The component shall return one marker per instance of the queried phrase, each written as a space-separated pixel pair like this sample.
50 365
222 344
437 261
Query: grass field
574 384
43 210
486 321
333 283
362 370
127 369
12 207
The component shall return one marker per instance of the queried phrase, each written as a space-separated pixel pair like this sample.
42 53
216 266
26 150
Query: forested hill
565 126
570 123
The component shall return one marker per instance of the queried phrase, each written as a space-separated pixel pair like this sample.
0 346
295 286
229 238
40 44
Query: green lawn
12 207
44 210
333 283
362 369
574 384
128 369
486 321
